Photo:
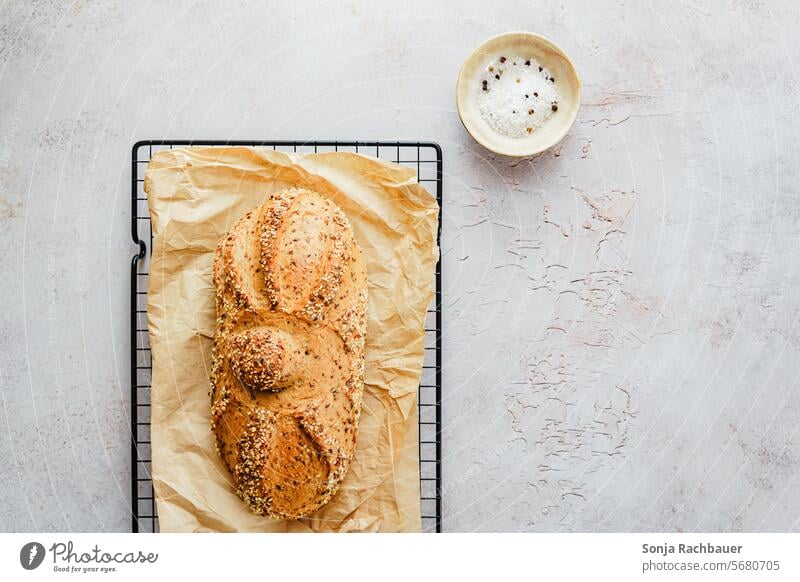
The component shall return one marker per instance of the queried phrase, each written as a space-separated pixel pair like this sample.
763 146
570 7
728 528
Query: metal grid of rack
426 159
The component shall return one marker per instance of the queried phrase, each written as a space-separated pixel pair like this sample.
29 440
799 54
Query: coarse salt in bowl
518 94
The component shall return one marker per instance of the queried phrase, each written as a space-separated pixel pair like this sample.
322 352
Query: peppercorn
535 94
527 63
502 59
530 111
554 107
497 76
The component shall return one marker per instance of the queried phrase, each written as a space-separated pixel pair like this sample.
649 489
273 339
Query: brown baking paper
195 196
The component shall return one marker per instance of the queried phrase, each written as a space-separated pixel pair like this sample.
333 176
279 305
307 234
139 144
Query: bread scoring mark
220 400
253 447
354 324
331 279
337 454
277 207
233 278
312 423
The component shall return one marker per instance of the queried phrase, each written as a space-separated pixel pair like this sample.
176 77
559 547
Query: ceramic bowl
525 45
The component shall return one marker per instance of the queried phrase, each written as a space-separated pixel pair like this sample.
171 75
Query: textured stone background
622 333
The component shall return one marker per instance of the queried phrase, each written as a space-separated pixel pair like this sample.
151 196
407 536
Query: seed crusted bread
288 362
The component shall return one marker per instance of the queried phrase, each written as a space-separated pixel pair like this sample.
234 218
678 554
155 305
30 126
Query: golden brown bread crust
288 371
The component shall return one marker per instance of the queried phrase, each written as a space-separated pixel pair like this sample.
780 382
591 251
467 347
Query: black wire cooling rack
426 159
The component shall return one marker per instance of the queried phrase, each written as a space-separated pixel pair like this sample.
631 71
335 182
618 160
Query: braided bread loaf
288 370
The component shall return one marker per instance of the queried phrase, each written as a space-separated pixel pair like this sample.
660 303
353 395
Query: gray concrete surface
621 313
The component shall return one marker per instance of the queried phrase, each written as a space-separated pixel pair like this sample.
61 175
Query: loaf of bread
288 363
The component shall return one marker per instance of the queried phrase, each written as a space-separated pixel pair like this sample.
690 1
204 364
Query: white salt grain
516 95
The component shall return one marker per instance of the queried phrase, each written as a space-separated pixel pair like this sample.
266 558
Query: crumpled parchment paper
195 195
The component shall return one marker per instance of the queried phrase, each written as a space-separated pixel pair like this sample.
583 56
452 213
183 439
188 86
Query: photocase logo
69 558
31 555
